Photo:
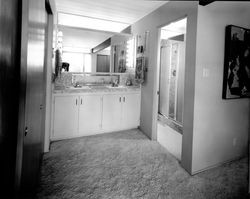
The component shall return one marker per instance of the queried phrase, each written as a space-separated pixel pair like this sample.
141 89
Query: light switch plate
206 72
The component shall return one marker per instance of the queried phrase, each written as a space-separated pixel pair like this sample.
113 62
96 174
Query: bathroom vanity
93 110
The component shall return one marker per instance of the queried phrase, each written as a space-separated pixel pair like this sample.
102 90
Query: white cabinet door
90 112
131 110
65 116
111 117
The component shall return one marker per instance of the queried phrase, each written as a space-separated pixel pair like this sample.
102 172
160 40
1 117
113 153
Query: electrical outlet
234 141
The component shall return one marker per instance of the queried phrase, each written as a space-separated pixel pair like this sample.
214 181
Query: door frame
48 75
157 78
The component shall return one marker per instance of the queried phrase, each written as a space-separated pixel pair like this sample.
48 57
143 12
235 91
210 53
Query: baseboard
145 134
219 164
52 139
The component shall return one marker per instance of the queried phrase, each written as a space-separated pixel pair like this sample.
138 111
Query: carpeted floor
127 165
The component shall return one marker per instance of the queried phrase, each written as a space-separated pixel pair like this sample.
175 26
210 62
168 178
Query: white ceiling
123 11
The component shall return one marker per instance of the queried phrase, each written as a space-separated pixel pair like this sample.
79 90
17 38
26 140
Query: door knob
26 131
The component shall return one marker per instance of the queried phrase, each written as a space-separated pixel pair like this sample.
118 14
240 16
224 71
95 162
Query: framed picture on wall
236 82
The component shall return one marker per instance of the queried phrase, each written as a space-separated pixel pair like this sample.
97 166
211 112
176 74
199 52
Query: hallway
128 165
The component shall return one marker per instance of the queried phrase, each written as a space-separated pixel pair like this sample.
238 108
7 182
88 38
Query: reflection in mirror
85 50
123 53
103 60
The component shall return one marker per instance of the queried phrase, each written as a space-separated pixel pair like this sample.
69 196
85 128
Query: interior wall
220 126
93 62
169 12
119 39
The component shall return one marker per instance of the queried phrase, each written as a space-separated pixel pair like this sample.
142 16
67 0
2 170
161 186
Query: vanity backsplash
68 79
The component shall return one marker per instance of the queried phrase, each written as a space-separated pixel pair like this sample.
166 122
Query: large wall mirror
93 51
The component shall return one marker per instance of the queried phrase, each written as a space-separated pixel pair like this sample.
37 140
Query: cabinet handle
81 101
120 99
76 101
123 99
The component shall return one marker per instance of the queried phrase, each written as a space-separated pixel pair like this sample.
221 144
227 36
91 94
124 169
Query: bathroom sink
79 87
110 86
98 87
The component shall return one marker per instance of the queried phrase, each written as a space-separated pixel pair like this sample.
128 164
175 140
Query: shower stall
171 88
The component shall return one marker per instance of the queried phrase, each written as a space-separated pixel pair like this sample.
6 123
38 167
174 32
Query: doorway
103 63
171 86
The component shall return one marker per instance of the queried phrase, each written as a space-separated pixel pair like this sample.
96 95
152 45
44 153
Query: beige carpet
126 165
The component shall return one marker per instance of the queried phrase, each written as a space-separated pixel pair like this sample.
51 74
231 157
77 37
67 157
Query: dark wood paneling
9 89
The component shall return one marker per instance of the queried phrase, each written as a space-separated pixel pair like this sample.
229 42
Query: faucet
114 83
77 85
73 80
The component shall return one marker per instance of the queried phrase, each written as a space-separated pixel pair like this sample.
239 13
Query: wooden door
103 63
65 116
34 18
112 110
131 110
90 112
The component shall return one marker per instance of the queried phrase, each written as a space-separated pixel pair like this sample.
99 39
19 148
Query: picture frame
236 80
139 70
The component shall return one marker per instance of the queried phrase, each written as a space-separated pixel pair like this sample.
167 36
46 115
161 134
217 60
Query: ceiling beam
101 46
205 2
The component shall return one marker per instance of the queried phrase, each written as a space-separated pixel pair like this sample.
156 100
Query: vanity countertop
96 89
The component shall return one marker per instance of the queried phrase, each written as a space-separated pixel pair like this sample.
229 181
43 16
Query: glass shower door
172 79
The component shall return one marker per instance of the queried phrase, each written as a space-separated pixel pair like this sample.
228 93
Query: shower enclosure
172 64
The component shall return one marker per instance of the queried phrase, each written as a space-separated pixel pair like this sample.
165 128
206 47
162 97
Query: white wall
169 12
119 39
93 62
217 122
